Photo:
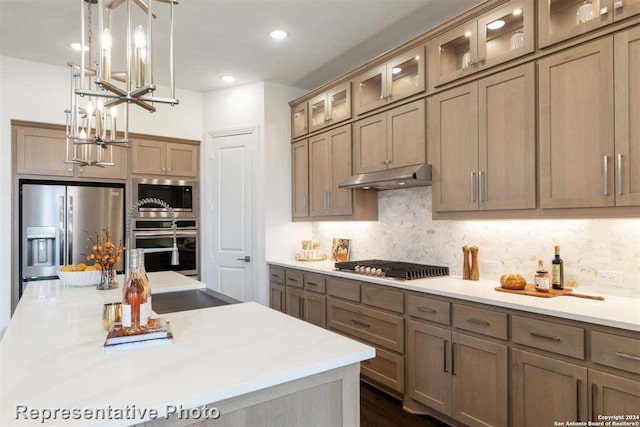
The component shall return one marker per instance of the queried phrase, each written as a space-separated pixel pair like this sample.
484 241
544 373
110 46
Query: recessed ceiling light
76 46
496 24
278 34
396 70
228 79
517 12
467 34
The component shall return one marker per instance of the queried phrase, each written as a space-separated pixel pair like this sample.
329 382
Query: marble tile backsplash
405 231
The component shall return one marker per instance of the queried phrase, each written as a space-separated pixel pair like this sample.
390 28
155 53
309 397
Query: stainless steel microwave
181 195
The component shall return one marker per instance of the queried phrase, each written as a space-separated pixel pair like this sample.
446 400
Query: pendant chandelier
96 90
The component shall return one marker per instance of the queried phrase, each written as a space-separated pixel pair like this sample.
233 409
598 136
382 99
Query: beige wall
405 231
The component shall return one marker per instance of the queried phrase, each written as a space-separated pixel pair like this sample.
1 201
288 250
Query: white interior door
229 174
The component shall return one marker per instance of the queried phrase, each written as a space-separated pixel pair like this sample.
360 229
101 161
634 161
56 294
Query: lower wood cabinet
307 306
545 390
613 395
386 368
277 297
458 375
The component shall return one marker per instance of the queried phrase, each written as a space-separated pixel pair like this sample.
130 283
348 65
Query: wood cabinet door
299 125
498 44
148 157
42 152
120 169
294 302
480 387
623 9
428 369
558 19
627 99
318 112
545 390
406 74
182 160
370 144
300 179
339 148
314 309
319 174
371 89
612 395
453 54
576 127
507 140
277 297
453 127
406 144
339 99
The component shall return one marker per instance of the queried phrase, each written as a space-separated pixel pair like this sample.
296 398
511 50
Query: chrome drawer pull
426 310
477 321
627 356
545 337
363 324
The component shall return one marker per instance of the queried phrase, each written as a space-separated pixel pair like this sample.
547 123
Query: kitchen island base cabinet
613 395
331 398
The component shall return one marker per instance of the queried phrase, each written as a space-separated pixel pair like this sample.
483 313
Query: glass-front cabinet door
505 33
625 8
299 120
339 100
455 54
318 112
405 74
560 20
371 89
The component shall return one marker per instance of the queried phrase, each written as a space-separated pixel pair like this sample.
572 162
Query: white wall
40 92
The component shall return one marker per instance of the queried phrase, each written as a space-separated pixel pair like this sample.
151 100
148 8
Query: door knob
245 259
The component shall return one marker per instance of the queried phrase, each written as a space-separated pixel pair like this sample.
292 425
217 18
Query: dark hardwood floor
378 409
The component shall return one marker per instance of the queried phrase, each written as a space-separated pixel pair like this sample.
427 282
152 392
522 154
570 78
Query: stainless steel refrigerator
54 220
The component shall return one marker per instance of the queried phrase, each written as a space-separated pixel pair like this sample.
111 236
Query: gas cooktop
395 269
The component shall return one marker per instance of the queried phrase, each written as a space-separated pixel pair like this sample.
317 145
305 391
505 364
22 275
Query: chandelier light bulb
107 42
113 111
90 109
83 134
100 105
139 38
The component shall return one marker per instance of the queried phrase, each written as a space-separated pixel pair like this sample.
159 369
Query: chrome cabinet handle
304 201
605 190
473 187
578 384
61 244
477 321
359 323
481 185
619 173
329 200
628 356
70 232
545 337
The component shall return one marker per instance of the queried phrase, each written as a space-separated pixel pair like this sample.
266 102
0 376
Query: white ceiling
215 37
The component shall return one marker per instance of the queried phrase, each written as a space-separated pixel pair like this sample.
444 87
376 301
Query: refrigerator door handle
61 237
70 232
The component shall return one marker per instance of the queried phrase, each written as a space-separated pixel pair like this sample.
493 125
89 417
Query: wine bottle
134 298
557 271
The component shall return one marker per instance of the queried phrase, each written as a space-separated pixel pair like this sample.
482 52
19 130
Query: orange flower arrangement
102 251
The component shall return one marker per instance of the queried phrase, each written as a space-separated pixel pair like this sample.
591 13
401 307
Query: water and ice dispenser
41 246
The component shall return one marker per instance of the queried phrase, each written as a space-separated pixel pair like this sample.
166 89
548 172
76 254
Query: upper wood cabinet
559 20
399 78
503 34
329 165
299 120
153 157
120 169
483 137
576 127
330 107
300 179
391 139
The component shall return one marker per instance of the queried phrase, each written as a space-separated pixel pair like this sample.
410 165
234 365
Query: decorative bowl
80 278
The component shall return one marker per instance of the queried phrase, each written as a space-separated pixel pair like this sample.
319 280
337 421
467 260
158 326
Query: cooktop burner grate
395 269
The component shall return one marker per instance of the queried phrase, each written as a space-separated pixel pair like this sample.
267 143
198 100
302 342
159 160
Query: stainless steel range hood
408 176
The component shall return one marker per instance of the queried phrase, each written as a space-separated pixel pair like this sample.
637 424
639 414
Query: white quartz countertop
51 355
614 311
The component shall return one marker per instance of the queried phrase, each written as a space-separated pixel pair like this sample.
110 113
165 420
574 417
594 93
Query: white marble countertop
51 355
614 311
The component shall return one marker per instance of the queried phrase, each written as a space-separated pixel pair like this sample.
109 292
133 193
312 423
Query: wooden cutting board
530 290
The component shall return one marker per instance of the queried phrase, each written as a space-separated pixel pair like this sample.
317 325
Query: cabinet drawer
343 288
549 336
374 326
615 351
314 282
486 322
294 278
383 297
386 368
276 275
429 309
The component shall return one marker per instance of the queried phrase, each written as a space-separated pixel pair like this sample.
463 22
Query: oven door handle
151 234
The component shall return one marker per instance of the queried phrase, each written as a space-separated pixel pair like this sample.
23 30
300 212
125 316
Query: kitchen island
245 360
